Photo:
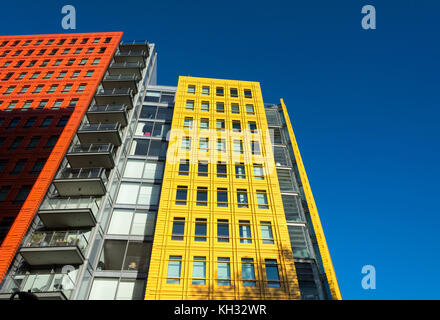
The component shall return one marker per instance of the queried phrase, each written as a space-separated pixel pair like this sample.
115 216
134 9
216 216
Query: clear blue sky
364 105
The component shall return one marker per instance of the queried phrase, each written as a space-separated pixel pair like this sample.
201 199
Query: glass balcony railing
41 239
133 42
100 127
121 77
83 173
43 283
92 148
71 203
112 92
131 53
108 108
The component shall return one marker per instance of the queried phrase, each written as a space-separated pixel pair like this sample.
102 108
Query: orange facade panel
49 72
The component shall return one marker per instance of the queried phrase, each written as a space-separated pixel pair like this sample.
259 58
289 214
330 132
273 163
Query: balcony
120 81
108 114
46 286
91 156
126 68
55 248
71 182
130 57
115 97
135 45
100 133
69 212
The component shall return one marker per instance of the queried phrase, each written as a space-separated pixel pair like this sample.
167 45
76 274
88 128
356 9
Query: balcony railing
41 239
131 53
111 92
83 173
43 283
108 108
134 42
121 77
92 148
100 127
71 204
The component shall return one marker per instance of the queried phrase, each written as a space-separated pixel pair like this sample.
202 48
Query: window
240 172
21 76
204 145
245 231
235 108
26 105
152 96
189 105
203 169
191 89
46 122
51 142
248 272
11 105
184 167
83 62
247 93
52 88
222 197
33 143
4 190
57 104
252 127
188 123
67 88
9 90
204 124
219 91
199 271
174 269
84 41
221 145
223 272
202 196
178 229
73 103
95 62
48 75
234 92
266 232
200 230
42 104
19 165
204 106
17 141
242 198
186 143
145 194
221 170
23 90
205 91
272 275
262 199
13 123
236 126
63 121
181 195
22 194
222 230
220 107
130 222
89 74
250 109
81 88
220 125
57 62
255 147
89 50
38 166
238 146
258 172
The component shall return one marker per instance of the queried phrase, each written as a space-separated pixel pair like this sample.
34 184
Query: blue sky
364 106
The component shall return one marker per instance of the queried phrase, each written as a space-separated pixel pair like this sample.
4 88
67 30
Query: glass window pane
103 289
143 223
128 193
120 222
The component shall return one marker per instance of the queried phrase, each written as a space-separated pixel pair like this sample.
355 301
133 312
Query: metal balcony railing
41 239
71 203
42 283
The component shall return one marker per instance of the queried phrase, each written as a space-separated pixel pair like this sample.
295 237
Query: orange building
47 84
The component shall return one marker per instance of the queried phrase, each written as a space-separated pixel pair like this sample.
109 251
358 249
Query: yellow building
221 229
